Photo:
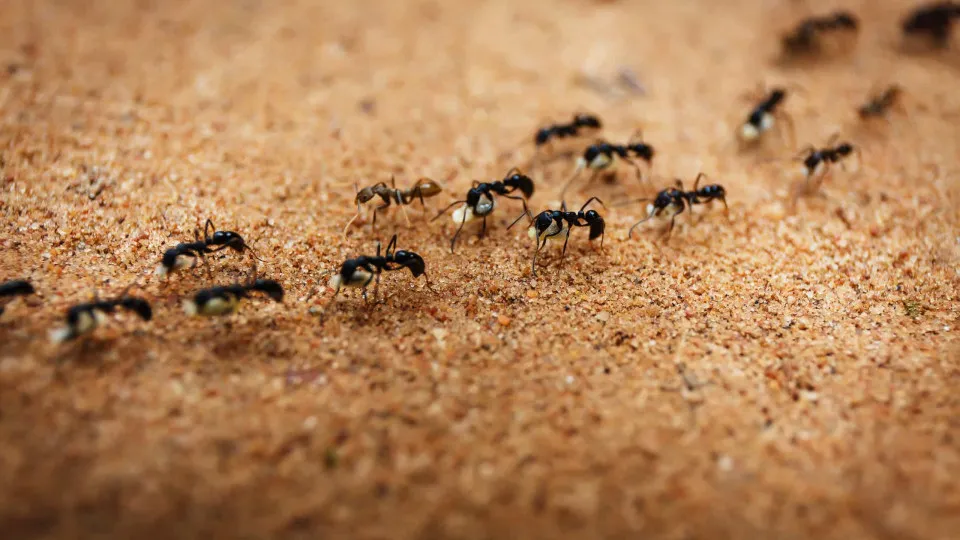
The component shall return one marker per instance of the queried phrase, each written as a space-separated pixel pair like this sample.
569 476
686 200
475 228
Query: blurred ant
933 22
881 103
360 271
806 38
424 188
763 117
84 318
602 157
551 224
581 123
819 161
188 254
225 299
10 289
480 200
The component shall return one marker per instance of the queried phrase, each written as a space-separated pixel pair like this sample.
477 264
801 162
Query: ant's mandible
481 201
12 289
86 317
603 157
359 272
188 254
424 188
554 224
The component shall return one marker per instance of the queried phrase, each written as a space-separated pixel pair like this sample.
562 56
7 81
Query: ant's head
665 197
643 151
844 149
137 305
270 287
412 261
543 136
587 121
520 181
713 191
364 195
228 238
429 188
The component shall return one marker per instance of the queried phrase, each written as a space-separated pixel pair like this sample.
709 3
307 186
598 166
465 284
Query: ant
602 156
933 21
16 287
763 117
821 159
225 299
881 103
581 122
424 187
675 201
551 224
480 200
805 38
360 271
84 318
187 254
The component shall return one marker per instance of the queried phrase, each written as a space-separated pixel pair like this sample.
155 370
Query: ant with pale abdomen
188 254
480 200
807 38
84 318
603 157
552 224
763 117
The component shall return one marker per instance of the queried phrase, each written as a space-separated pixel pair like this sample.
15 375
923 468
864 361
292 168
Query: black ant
225 299
16 287
815 160
360 271
84 318
675 201
576 127
187 254
933 21
551 224
881 103
763 117
602 157
424 188
805 39
480 200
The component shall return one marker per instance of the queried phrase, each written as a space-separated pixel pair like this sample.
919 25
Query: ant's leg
463 221
523 201
376 288
564 251
666 235
576 173
640 177
635 225
377 209
536 250
483 228
209 223
788 120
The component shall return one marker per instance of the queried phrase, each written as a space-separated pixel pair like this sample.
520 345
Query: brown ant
424 188
881 103
480 201
603 157
552 224
806 38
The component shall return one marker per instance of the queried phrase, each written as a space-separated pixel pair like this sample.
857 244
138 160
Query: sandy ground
771 375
